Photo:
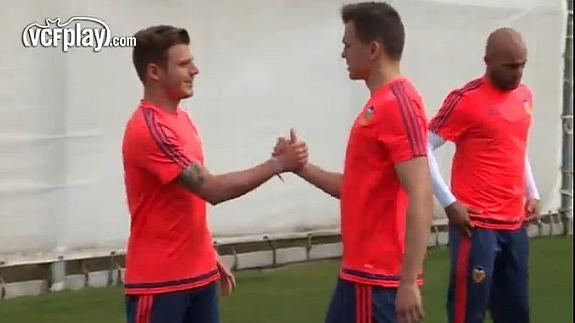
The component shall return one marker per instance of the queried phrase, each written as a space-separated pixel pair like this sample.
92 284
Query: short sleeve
159 150
452 119
404 128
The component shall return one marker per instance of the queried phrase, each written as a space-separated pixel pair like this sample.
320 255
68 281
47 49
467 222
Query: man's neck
492 84
381 76
161 100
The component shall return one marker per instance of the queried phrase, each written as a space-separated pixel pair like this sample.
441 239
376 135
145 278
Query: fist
291 153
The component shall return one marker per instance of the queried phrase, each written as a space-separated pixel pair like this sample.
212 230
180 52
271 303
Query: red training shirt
170 247
489 128
390 129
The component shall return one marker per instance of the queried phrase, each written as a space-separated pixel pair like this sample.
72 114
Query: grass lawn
300 293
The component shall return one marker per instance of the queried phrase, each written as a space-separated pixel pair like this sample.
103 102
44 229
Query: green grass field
300 293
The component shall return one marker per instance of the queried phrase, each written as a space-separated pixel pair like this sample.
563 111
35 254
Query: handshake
290 154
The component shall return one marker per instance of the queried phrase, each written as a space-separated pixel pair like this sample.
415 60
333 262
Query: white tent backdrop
265 66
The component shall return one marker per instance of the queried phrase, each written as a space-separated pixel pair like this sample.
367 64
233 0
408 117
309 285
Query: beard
505 83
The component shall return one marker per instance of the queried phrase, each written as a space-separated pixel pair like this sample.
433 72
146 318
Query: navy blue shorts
359 303
489 271
199 305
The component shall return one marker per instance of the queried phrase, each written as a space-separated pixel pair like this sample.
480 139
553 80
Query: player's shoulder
398 93
410 90
134 122
470 88
524 91
147 124
139 120
151 117
136 133
404 86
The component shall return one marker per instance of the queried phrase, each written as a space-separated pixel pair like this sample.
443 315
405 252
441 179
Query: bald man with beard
493 194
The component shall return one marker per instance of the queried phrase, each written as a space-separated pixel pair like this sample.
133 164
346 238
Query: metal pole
567 120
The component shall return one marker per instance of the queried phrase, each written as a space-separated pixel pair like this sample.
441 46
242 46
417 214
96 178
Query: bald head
505 56
504 41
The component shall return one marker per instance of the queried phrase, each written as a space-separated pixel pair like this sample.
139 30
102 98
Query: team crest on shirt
528 108
367 115
478 274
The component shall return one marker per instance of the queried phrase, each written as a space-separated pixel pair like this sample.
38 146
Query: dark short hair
377 21
152 46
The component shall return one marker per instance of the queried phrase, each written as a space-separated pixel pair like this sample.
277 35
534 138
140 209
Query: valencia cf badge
478 275
367 115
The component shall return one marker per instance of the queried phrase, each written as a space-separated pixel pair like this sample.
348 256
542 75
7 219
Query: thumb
292 136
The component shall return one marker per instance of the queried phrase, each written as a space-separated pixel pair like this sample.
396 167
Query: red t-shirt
170 247
489 128
390 129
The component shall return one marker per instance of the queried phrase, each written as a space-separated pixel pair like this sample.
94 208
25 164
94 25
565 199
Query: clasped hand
290 154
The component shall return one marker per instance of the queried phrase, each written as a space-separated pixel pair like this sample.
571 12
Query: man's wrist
301 171
446 199
408 281
533 196
408 276
277 165
450 205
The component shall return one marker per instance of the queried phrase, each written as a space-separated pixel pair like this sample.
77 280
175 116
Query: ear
153 71
375 49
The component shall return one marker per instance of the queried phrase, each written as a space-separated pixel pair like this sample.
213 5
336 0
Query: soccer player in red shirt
494 193
385 190
171 266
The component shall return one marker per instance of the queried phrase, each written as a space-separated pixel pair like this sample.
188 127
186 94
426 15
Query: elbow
333 191
337 189
213 200
214 192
